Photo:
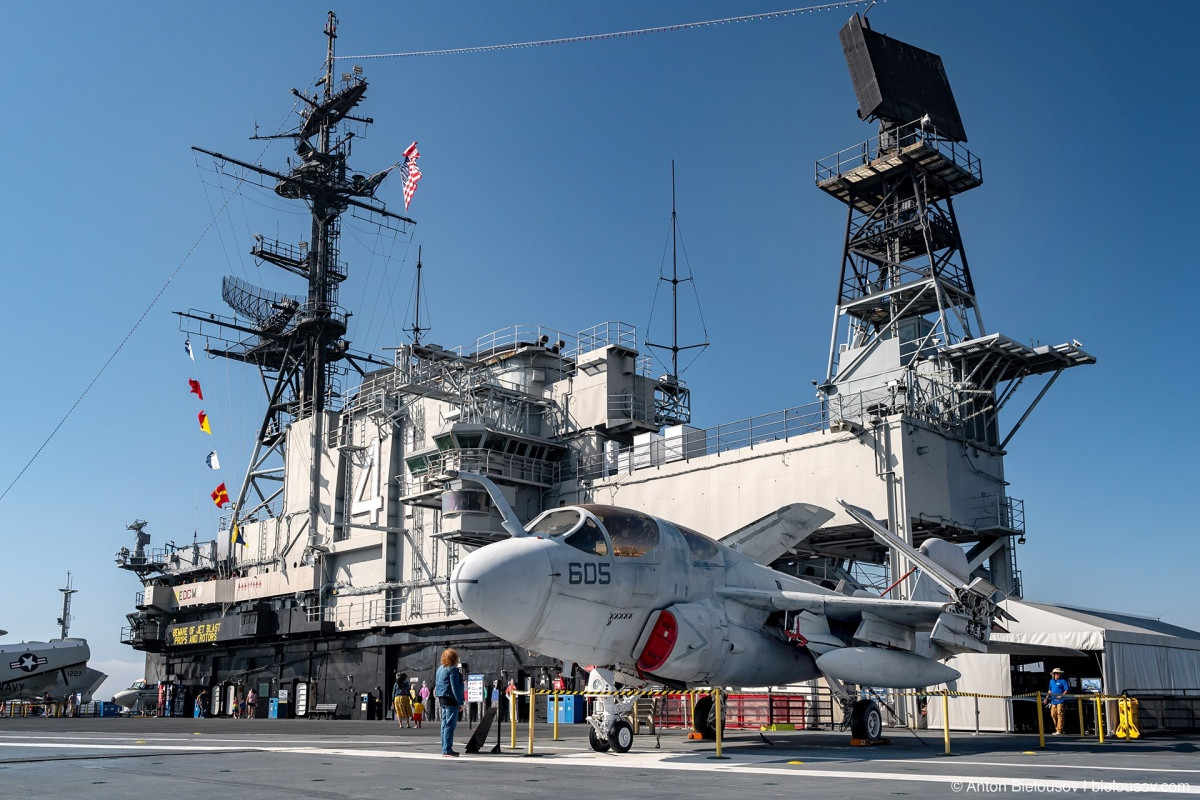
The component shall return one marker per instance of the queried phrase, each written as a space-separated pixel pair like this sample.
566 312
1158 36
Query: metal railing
1002 511
694 443
485 462
896 140
604 334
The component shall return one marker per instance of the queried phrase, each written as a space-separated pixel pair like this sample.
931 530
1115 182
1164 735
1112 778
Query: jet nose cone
503 587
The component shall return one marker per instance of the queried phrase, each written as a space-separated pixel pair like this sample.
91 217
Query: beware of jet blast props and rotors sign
603 585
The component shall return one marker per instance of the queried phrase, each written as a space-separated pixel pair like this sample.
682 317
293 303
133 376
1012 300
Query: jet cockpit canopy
600 530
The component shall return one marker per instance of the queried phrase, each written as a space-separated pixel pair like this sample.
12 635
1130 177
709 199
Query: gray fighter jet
636 595
33 670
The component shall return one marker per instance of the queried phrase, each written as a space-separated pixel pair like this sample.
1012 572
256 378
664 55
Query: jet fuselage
599 585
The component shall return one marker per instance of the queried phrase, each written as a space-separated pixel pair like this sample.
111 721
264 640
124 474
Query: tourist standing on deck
404 705
1056 699
448 688
399 691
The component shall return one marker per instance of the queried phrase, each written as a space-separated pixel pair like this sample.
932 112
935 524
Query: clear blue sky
546 199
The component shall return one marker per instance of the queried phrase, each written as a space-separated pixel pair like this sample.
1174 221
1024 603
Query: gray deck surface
151 758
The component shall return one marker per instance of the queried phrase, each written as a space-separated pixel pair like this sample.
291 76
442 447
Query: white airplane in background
32 670
640 596
137 696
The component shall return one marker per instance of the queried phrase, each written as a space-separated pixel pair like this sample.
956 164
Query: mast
64 622
298 342
416 327
672 398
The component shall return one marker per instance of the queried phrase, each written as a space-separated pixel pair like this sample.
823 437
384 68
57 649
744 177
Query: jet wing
916 614
774 535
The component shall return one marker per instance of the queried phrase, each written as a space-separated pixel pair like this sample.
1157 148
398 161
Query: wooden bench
326 710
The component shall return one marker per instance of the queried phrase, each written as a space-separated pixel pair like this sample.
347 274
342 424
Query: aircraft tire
705 721
865 720
621 737
598 744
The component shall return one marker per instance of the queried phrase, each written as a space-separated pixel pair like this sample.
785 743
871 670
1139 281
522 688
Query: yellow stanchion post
1100 719
512 720
556 711
946 718
1041 722
716 695
532 713
1079 706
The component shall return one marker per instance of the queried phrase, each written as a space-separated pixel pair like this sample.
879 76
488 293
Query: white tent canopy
1135 653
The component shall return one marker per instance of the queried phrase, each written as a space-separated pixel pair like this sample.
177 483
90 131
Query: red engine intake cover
662 641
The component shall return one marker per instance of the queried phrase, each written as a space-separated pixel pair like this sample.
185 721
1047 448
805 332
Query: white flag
187 345
212 460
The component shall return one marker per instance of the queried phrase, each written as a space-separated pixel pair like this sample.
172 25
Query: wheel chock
869 742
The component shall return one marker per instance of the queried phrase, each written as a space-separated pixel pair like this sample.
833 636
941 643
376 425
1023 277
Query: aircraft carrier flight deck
158 757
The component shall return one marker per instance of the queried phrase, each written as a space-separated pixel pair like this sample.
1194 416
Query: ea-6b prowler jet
638 595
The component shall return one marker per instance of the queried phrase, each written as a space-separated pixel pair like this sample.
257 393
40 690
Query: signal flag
204 423
195 388
220 496
212 461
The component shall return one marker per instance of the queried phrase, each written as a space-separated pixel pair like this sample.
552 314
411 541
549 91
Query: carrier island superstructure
347 525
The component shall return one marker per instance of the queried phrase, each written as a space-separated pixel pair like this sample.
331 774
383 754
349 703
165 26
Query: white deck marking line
701 764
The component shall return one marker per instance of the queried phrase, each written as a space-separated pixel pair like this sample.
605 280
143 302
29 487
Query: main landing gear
705 716
866 721
863 715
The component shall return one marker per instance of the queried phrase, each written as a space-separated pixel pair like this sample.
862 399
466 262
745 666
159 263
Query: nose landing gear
609 723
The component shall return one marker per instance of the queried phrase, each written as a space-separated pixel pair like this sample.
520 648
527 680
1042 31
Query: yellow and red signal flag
195 388
204 423
220 496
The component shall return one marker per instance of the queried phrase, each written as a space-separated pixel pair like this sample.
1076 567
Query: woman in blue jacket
448 688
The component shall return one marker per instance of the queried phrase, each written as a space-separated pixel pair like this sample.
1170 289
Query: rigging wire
133 329
154 301
455 51
595 37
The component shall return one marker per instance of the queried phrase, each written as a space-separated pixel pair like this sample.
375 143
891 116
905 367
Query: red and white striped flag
412 173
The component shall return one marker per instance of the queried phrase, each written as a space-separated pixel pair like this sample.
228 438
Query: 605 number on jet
588 572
